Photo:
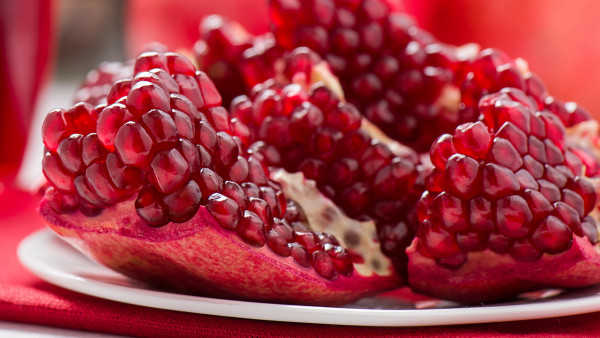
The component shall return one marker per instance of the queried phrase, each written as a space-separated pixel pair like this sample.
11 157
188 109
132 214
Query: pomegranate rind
202 258
489 277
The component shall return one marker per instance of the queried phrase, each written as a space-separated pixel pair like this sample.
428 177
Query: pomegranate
155 184
509 207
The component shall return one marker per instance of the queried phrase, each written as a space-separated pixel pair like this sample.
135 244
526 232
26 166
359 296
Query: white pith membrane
359 238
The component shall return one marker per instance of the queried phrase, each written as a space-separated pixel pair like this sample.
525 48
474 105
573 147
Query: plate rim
29 255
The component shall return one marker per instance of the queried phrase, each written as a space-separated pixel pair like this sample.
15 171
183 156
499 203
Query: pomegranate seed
225 210
168 171
251 229
323 264
300 254
55 174
133 144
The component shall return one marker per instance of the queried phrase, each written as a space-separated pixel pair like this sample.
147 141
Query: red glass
26 41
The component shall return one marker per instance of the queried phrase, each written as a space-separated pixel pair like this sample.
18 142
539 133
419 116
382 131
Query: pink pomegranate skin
487 276
201 257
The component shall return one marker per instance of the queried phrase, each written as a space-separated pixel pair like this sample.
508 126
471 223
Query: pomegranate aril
56 174
168 171
84 191
144 96
54 128
261 208
110 120
98 180
209 182
133 144
251 229
323 264
69 152
300 254
277 243
523 250
227 148
225 210
122 176
160 127
150 60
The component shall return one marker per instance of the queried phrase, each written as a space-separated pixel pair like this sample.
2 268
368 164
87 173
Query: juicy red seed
268 194
344 171
304 120
283 228
441 150
307 239
168 82
146 95
183 104
150 60
84 191
261 208
300 254
535 168
499 181
554 176
587 191
375 157
150 207
56 175
526 181
122 176
313 169
277 243
549 190
210 94
537 149
523 250
92 149
256 171
574 200
234 191
463 175
503 153
499 243
99 182
133 144
238 171
54 128
220 119
481 216
109 121
251 189
227 148
153 78
69 152
275 130
471 241
80 118
435 241
206 136
178 64
355 199
209 182
251 229
225 210
160 126
450 212
590 229
118 90
514 135
191 155
569 216
538 204
323 264
206 160
345 118
513 216
61 202
323 142
168 171
341 259
472 139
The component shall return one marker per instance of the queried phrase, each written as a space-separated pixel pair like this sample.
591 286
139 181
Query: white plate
55 261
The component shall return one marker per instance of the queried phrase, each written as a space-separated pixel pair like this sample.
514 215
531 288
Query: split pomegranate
154 184
299 122
509 207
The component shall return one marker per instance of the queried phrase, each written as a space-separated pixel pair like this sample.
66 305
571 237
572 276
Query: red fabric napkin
26 298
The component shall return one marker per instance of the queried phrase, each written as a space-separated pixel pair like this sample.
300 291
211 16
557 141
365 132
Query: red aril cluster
163 139
507 183
399 76
492 70
233 58
310 130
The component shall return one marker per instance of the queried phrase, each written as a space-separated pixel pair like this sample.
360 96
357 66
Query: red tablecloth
26 298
